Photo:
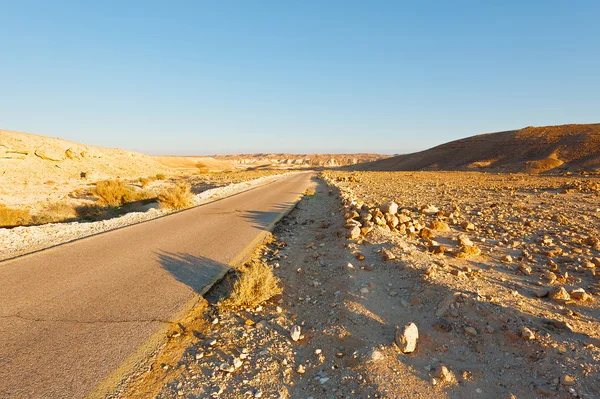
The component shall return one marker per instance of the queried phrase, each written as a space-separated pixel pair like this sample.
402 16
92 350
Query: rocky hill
300 160
530 150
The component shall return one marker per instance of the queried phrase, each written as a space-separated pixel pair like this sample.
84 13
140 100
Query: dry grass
161 176
10 217
117 193
176 198
145 181
255 285
55 213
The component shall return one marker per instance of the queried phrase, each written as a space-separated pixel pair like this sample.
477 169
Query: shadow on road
197 272
262 220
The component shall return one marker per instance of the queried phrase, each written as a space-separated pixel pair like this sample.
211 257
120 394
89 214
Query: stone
389 207
527 334
426 233
439 225
386 254
471 331
444 374
227 368
48 154
376 355
567 380
507 259
579 294
237 362
353 233
301 369
559 294
295 333
542 292
467 226
406 338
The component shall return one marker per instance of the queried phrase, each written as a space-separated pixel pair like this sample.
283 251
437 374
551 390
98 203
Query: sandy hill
530 150
34 158
36 168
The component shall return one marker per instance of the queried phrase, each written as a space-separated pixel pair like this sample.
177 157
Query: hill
530 150
35 168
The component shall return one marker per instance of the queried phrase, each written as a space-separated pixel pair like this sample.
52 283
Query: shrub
111 192
144 181
178 197
117 193
160 176
10 217
55 213
255 284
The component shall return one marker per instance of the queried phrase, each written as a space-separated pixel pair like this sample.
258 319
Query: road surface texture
73 314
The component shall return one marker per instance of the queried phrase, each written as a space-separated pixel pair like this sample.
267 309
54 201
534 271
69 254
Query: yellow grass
255 285
176 198
10 217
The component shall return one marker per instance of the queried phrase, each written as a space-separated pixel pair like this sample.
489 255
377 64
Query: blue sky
195 77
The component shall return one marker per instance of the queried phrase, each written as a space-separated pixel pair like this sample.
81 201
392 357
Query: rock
426 233
436 249
542 292
430 209
465 241
471 331
407 337
444 374
72 154
48 154
567 380
295 333
386 254
507 259
390 207
227 368
467 226
439 225
301 369
527 334
596 262
559 294
237 363
376 355
579 294
353 233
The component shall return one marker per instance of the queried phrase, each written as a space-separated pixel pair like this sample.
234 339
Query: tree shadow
197 272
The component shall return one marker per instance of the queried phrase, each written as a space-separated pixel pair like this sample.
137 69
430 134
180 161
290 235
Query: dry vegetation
176 198
255 284
10 217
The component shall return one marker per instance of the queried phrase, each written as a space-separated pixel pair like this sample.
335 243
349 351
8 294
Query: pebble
295 333
406 338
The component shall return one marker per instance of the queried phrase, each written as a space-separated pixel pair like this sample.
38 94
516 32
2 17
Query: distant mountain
530 150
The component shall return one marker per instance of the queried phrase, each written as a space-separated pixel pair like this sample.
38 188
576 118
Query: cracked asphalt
73 314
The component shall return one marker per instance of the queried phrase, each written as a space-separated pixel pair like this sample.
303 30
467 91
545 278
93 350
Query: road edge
107 387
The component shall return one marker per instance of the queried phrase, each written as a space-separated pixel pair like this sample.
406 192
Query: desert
300 200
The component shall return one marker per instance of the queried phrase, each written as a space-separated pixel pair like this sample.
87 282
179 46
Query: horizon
238 78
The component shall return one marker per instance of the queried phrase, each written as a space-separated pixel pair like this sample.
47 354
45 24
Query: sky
216 77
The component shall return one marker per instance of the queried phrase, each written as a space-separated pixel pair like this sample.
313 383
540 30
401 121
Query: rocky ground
410 285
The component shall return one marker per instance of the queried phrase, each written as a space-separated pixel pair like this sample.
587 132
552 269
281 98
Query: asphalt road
72 314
